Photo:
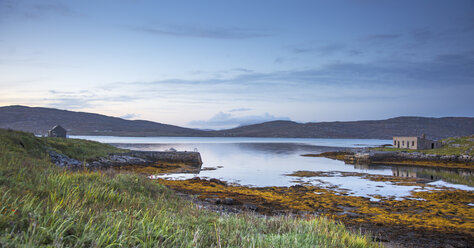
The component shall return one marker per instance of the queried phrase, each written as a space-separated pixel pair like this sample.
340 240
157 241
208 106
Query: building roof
58 127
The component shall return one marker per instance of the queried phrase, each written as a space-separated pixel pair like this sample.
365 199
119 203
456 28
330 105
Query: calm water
265 161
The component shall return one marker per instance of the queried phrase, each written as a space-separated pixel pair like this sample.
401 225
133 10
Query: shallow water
265 161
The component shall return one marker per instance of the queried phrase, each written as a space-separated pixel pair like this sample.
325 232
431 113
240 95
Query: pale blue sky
216 64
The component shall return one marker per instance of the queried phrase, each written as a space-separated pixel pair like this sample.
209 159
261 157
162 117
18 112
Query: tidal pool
268 161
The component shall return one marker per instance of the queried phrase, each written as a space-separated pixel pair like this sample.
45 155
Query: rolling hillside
39 120
434 128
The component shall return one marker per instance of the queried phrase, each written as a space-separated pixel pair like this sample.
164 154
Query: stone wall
416 143
406 142
130 158
425 144
191 158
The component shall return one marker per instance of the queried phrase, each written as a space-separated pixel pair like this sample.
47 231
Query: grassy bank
42 205
28 145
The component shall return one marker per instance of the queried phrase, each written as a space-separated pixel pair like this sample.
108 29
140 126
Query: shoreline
400 158
442 218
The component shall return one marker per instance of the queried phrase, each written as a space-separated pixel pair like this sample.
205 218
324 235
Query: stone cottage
57 131
415 143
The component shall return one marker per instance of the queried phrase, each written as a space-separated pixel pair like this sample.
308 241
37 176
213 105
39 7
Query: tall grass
42 205
83 150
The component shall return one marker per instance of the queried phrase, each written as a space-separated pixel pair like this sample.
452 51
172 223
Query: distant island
38 120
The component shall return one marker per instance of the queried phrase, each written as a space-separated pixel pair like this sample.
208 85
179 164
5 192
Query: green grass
81 149
42 205
28 144
451 146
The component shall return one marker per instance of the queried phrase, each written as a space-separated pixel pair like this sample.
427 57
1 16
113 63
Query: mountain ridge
39 119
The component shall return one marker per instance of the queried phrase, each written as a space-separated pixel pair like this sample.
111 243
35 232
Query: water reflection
457 176
267 164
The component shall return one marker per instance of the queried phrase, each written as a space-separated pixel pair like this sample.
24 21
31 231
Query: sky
220 64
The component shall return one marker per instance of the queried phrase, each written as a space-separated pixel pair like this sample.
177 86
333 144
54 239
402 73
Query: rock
63 160
250 207
297 187
228 201
213 200
217 181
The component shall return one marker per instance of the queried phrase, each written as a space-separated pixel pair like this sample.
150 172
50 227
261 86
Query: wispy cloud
129 116
228 33
37 10
456 68
83 99
383 37
243 70
54 8
223 120
321 50
240 109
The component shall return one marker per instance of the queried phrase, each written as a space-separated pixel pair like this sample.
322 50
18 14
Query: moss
451 165
407 181
442 211
333 155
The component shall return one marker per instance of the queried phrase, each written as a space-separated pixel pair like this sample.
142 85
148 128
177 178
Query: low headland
456 152
45 205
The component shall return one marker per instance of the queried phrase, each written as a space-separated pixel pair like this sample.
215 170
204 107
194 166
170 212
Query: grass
81 149
42 205
29 145
451 146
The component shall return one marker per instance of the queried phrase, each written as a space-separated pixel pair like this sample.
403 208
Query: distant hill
434 128
39 120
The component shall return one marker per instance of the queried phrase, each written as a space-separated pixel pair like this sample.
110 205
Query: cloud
209 33
83 99
240 110
243 70
383 37
56 8
422 34
454 69
35 11
224 120
129 116
332 82
324 50
279 60
68 103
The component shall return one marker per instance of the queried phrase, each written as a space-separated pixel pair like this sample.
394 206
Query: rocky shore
436 218
401 158
140 158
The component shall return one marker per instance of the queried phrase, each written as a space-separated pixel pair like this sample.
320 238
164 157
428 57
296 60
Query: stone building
57 131
416 143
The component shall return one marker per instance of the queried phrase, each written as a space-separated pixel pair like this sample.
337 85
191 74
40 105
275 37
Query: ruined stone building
57 131
415 143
